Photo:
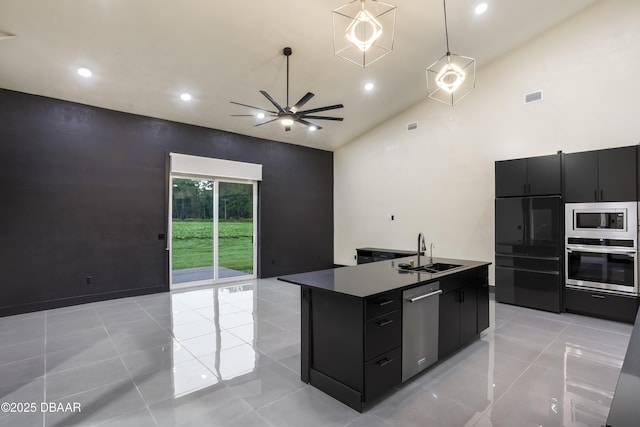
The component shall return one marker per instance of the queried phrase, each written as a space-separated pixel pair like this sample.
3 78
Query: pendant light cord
446 29
287 81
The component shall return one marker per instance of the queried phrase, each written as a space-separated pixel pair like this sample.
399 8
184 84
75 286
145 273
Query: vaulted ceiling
145 53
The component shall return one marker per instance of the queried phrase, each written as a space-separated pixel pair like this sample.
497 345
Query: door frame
216 180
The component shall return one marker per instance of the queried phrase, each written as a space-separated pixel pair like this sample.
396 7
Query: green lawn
193 244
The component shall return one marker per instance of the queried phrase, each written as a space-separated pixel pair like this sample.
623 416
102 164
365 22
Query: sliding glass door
213 228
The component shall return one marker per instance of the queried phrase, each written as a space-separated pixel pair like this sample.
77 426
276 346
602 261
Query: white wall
439 179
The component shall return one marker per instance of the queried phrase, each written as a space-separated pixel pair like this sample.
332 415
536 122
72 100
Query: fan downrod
287 51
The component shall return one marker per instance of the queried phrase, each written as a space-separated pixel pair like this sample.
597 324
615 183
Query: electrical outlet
89 280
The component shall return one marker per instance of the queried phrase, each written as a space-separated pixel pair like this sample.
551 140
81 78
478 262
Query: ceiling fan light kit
363 31
288 115
451 77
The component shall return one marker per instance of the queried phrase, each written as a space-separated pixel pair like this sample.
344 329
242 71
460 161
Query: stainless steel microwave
615 220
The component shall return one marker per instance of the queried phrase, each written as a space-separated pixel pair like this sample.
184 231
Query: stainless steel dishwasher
420 313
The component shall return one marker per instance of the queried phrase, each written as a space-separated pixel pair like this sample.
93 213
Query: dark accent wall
83 192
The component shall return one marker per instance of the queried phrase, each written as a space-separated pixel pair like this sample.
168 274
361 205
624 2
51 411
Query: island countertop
370 279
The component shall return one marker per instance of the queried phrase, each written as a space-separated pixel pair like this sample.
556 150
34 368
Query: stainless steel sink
437 267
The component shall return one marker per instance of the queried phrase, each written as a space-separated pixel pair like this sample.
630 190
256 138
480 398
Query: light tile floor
229 355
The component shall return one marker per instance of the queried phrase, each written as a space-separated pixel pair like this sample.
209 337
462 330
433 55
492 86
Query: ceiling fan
289 115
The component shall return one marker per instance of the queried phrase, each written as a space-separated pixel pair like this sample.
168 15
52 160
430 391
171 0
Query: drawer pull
597 296
383 303
384 361
385 322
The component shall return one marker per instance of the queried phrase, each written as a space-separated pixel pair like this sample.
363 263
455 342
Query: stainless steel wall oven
601 243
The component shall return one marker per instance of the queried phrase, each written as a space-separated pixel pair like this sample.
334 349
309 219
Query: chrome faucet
421 246
431 246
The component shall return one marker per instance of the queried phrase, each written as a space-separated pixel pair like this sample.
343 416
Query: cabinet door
511 176
449 326
544 175
581 177
617 174
468 313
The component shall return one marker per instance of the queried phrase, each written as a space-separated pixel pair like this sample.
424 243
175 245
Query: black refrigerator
529 252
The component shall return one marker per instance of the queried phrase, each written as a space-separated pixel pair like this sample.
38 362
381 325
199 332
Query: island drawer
382 334
382 304
382 373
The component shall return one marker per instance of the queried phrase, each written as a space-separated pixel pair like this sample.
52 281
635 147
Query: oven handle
601 250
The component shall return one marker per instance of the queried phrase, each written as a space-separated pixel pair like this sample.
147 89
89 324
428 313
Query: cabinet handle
525 189
597 296
385 322
601 194
462 296
384 361
595 195
383 303
529 188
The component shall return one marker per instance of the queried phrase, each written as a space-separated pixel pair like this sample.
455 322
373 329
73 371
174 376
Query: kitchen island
359 323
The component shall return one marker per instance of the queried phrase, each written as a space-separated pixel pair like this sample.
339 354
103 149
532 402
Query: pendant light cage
363 31
451 78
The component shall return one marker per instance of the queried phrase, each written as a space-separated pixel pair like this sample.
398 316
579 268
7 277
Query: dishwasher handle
430 294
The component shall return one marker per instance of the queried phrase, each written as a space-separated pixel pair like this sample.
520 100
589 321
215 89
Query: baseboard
84 299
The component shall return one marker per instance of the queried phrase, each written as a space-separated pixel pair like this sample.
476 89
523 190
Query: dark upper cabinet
511 177
533 176
580 176
617 174
601 176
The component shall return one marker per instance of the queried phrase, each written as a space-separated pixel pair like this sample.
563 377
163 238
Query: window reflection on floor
201 322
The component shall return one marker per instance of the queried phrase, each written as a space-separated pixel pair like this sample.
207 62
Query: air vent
532 97
412 126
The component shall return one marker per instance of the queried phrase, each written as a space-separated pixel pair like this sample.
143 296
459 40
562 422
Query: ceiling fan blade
338 119
251 106
302 101
316 110
273 101
304 122
264 123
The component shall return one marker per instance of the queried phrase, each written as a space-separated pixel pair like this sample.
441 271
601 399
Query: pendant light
451 77
363 31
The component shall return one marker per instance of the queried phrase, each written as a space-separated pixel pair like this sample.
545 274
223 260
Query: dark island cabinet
601 176
458 322
356 345
533 176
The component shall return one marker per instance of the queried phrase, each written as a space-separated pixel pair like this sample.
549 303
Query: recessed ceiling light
369 86
481 8
84 72
185 97
260 115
